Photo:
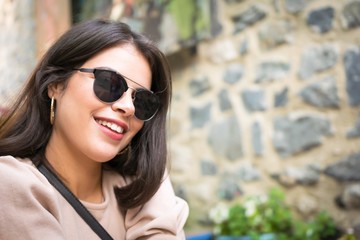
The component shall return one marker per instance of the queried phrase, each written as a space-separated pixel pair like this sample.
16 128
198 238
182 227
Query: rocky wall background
273 99
266 93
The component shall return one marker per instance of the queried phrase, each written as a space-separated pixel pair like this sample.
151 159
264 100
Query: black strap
75 203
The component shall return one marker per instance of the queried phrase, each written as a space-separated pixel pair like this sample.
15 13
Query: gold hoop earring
123 150
52 111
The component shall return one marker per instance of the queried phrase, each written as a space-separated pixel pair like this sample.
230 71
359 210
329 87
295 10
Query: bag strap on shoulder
75 203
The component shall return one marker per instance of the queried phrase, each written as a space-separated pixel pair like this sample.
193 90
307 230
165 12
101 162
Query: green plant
257 215
321 227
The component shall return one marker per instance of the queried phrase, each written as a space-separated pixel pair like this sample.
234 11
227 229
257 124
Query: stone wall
272 100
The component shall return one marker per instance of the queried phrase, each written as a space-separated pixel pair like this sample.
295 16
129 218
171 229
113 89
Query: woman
94 114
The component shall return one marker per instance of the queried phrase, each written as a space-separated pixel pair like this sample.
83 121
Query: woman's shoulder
27 199
17 166
162 217
20 173
114 179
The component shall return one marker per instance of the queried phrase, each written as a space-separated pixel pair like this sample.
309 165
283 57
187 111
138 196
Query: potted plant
268 218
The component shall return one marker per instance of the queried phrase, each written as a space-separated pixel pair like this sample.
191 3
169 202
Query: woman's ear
54 90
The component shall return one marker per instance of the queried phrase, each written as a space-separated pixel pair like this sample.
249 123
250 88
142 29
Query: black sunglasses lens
146 104
108 86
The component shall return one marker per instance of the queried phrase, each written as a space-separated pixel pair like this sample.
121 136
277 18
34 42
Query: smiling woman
93 117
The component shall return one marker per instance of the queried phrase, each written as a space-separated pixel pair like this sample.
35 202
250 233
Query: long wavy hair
25 129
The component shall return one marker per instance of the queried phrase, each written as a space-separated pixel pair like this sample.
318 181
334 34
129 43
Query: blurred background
265 93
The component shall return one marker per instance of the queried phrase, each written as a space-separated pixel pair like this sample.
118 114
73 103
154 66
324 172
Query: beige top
31 208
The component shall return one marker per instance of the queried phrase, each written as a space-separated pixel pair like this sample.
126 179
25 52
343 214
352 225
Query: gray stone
305 176
208 168
225 138
354 132
350 17
322 93
234 73
254 100
284 179
256 134
320 20
216 27
229 188
292 176
350 197
243 47
281 98
200 116
346 169
248 173
352 71
224 100
295 6
199 85
275 33
276 5
295 133
268 71
316 59
233 1
248 18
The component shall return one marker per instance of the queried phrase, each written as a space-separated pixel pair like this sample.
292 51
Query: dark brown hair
25 129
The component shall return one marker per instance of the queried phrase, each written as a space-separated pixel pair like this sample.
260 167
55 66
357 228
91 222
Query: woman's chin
104 157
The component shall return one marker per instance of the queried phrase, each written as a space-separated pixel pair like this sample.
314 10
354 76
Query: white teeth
112 126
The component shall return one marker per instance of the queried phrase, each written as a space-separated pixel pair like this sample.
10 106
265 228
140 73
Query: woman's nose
125 103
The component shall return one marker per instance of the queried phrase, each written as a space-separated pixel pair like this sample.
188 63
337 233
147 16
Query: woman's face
86 126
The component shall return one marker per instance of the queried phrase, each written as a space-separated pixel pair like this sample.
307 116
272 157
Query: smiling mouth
112 126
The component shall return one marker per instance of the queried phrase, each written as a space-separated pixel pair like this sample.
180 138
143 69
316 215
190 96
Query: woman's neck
80 174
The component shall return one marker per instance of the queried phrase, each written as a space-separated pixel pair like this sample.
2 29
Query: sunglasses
109 86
